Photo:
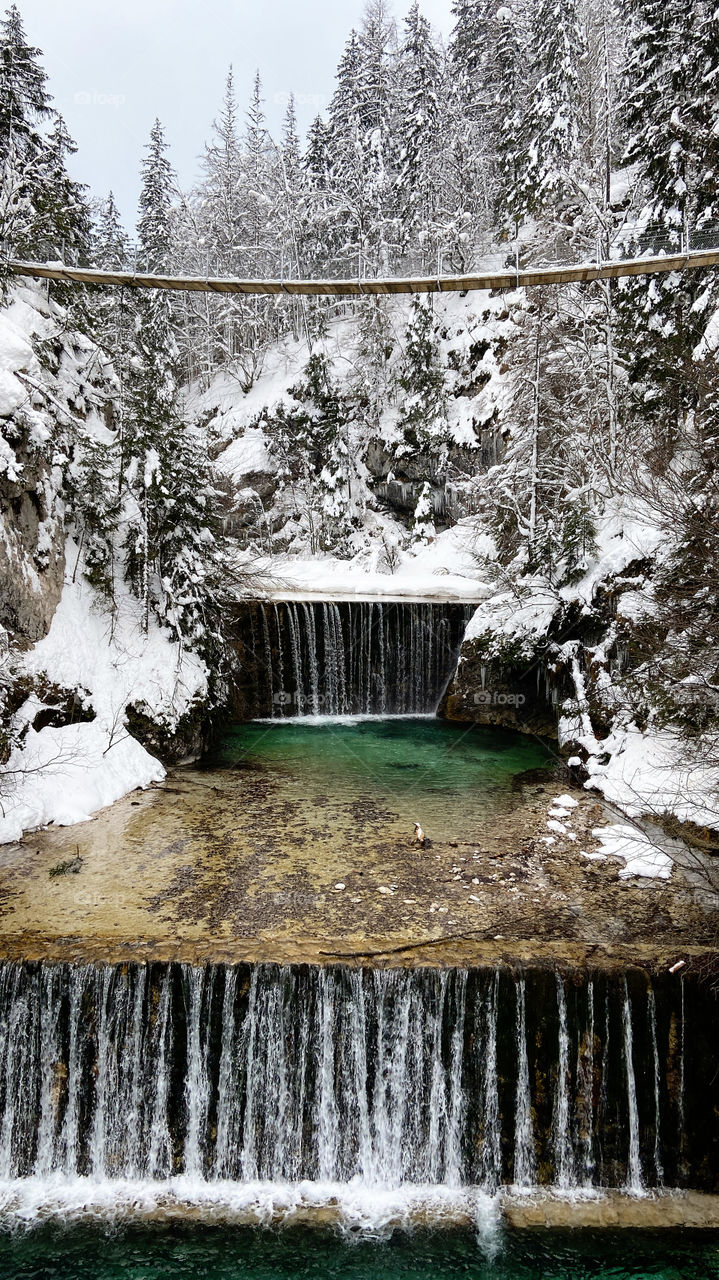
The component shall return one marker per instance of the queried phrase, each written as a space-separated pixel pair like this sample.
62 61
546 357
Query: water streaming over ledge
350 658
454 1081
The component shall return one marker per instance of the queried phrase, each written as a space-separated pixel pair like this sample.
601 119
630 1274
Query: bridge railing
631 240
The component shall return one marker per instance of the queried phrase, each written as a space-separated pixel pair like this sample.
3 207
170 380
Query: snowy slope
64 775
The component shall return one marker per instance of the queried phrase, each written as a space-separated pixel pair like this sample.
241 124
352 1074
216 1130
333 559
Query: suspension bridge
515 278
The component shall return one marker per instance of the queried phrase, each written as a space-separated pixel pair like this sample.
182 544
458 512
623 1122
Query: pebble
383 889
339 885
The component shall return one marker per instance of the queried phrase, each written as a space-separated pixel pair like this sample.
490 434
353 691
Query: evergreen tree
61 204
360 144
423 521
24 98
672 145
290 188
470 143
422 421
555 127
509 104
257 187
319 235
543 496
259 249
42 210
221 192
345 145
418 126
171 545
470 54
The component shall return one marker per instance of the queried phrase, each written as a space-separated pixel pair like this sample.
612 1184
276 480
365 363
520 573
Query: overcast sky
114 65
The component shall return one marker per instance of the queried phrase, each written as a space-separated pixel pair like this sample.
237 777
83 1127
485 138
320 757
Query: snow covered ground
648 773
442 570
64 775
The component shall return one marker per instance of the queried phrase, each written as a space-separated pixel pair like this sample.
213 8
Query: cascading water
563 1148
525 1171
634 1165
356 658
382 1079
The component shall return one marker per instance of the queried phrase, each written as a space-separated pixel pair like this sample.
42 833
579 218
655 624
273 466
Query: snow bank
641 854
64 775
443 569
652 774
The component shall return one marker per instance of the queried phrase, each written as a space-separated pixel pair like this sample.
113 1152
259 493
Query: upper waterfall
347 658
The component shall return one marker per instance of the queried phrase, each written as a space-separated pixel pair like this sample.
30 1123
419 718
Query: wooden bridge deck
531 276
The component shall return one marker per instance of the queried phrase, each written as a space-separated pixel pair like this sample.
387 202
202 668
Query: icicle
102 1132
438 1094
295 654
382 692
70 1144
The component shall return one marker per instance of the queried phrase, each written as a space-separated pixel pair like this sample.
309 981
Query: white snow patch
64 775
640 852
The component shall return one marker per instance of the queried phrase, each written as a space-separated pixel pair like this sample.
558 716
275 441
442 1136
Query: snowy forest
564 440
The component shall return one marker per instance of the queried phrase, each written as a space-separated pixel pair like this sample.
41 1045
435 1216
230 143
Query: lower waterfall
359 658
377 1078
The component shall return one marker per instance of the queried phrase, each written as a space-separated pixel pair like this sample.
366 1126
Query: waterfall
268 655
197 1084
652 1016
564 1156
378 1078
585 1092
634 1168
524 1157
491 1153
682 1061
354 658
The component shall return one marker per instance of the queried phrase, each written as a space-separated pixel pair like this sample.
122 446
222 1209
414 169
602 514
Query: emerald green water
415 767
215 1254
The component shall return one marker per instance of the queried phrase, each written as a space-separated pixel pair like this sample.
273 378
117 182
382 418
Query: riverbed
295 842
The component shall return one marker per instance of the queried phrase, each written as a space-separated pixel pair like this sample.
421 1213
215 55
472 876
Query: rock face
32 548
515 694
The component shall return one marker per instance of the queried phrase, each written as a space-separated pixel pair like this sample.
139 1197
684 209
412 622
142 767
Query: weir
364 1097
345 658
381 1078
